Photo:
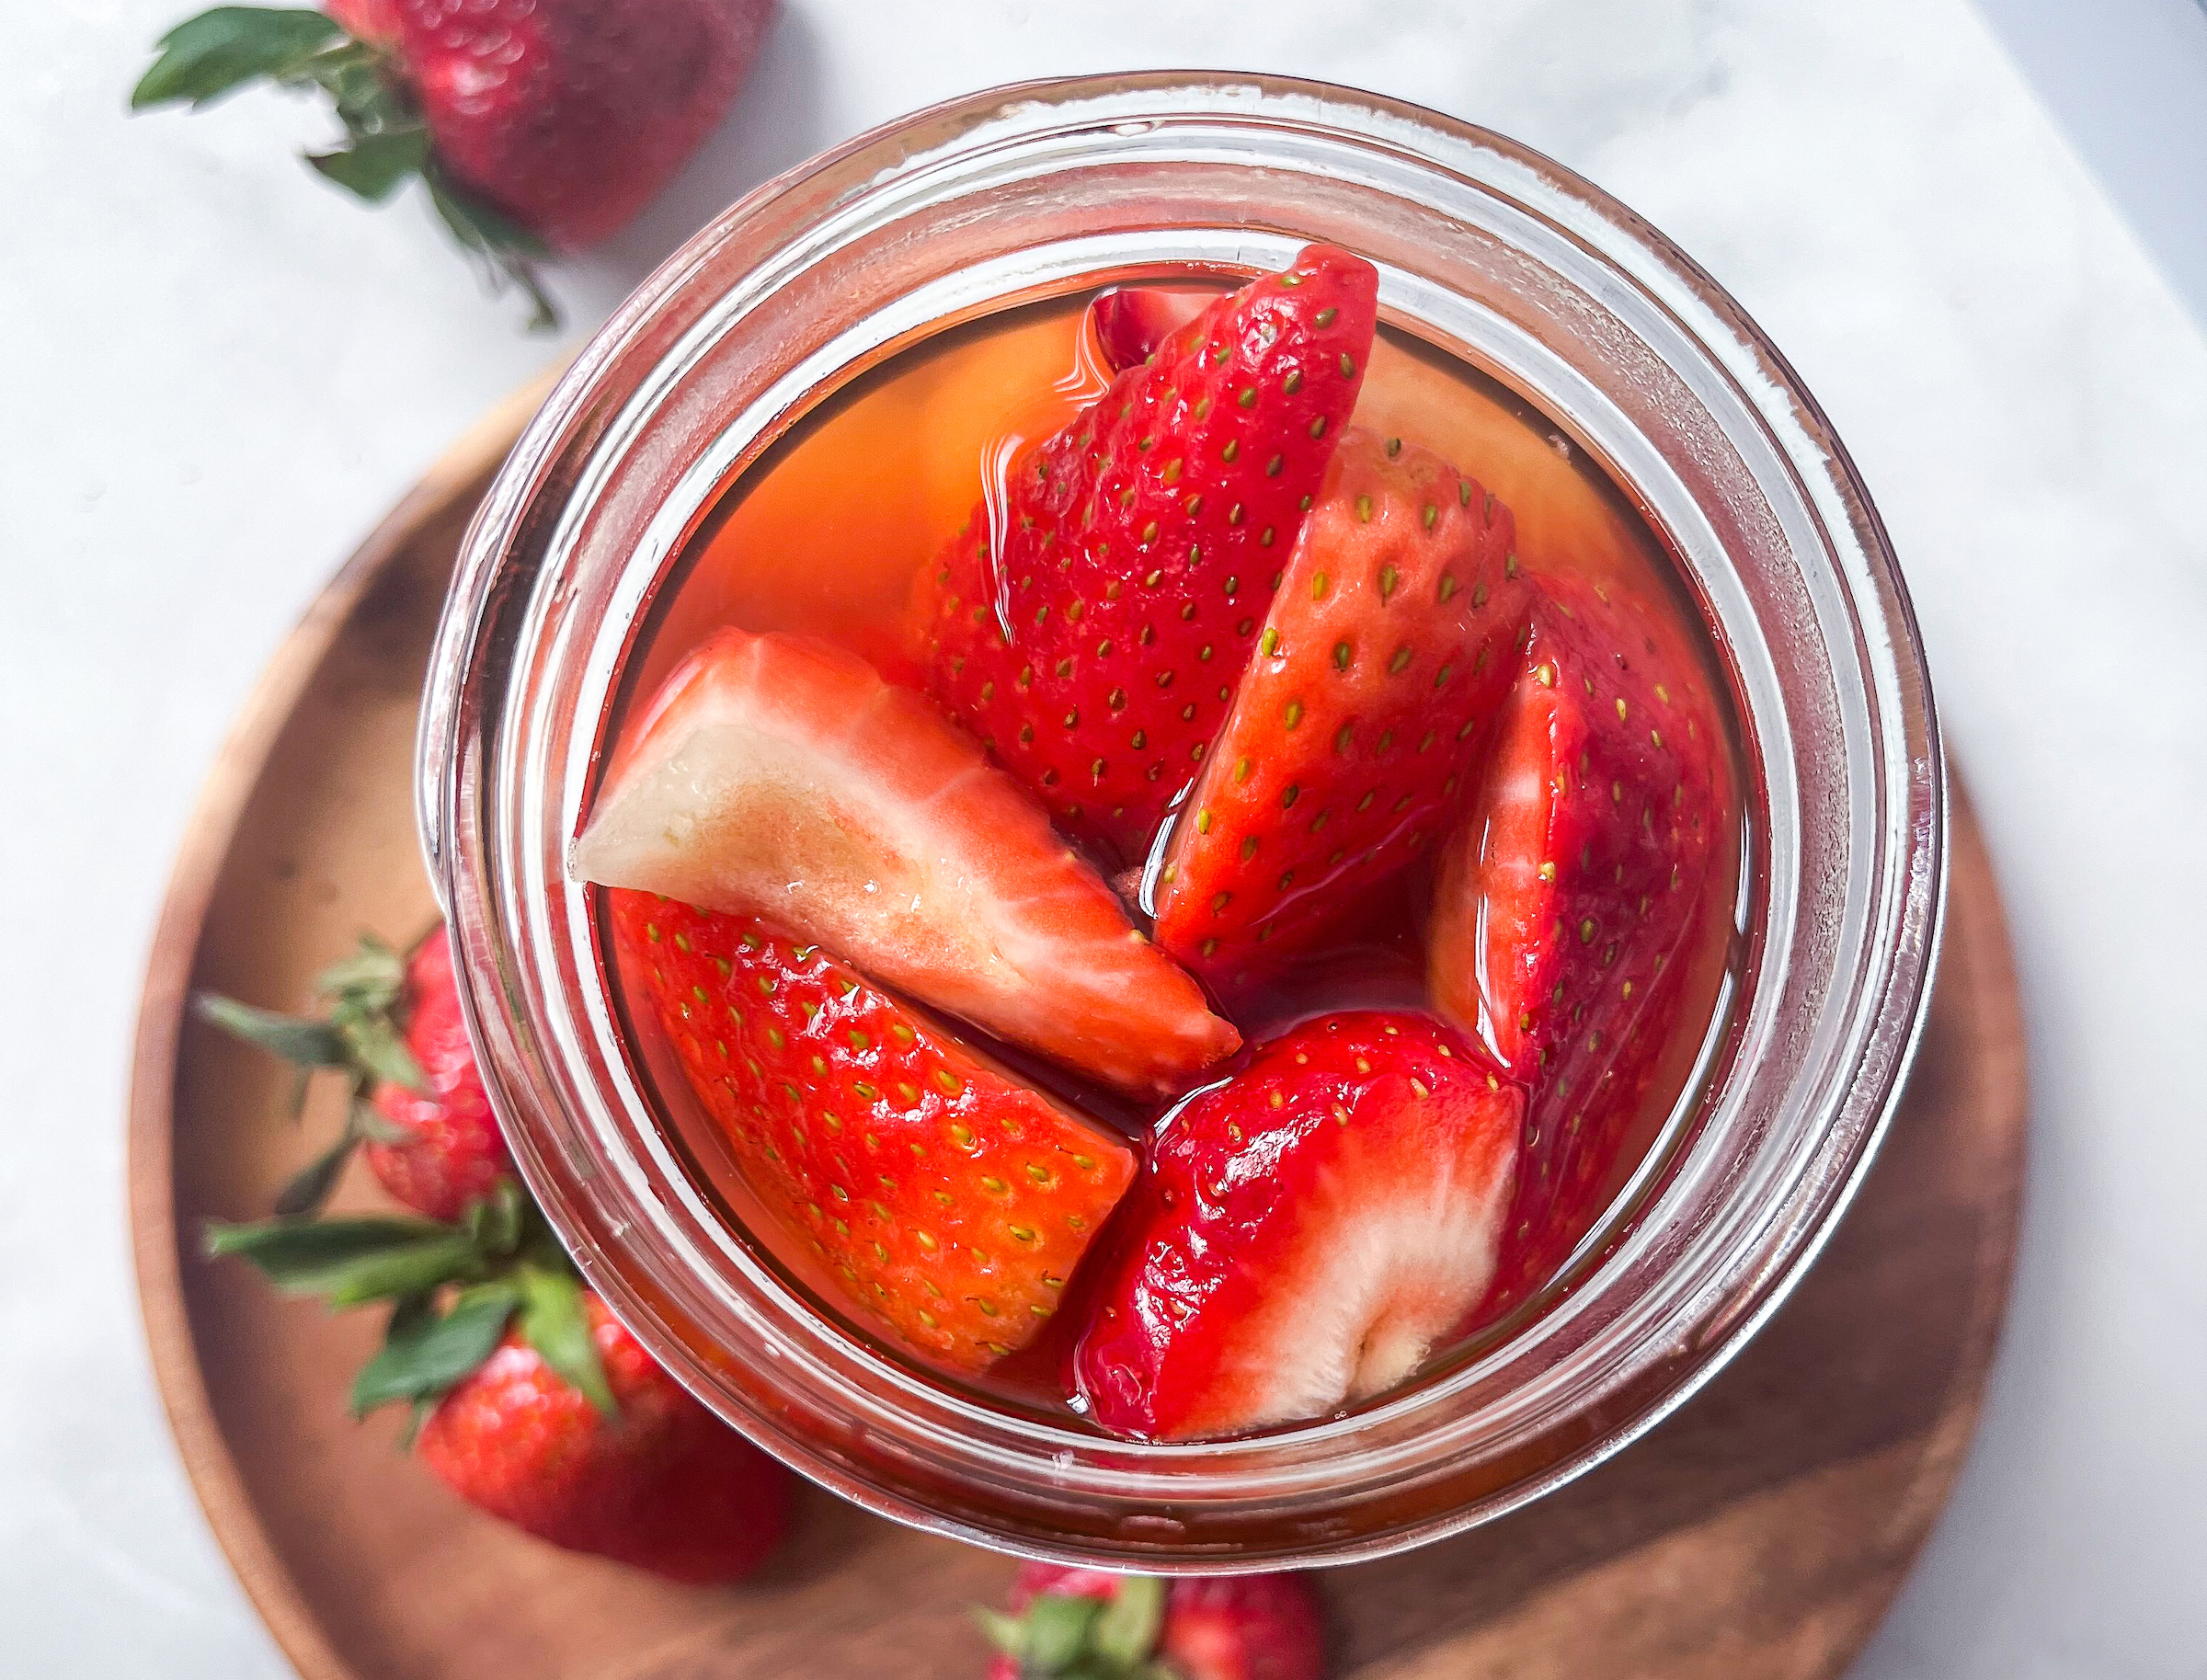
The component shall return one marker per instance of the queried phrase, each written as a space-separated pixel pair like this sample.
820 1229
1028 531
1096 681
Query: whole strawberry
536 124
651 1479
529 1399
420 1114
1096 1626
439 1146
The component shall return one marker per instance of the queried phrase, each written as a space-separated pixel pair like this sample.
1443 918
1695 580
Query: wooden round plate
1761 1532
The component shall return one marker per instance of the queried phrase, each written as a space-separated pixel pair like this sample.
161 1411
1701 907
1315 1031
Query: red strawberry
783 778
539 1407
1091 629
950 1200
440 1148
1305 1232
535 123
1094 1626
419 1112
1385 654
657 1482
1563 906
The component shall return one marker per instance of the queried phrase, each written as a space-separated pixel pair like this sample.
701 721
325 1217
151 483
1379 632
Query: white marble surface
217 374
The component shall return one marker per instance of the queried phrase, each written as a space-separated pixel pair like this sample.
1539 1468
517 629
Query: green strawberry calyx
1068 1635
452 1290
386 143
360 1036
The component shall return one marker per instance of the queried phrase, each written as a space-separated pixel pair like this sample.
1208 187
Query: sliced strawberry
1563 908
779 777
1132 323
951 1200
1305 1232
1386 653
1089 628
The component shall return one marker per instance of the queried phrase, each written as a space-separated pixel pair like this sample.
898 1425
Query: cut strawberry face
1091 628
1384 657
950 1200
1565 904
778 777
1132 323
1305 1232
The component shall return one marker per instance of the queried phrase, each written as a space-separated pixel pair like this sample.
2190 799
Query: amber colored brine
823 536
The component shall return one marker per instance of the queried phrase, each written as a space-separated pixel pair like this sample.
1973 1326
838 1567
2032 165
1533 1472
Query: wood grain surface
1759 1533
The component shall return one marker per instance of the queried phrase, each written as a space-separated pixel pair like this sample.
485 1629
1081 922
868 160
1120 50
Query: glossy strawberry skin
567 115
456 1154
1094 642
1592 870
1215 1627
1305 1232
768 760
1357 725
663 1485
951 1201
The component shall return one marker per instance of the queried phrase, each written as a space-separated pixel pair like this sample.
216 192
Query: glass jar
1485 250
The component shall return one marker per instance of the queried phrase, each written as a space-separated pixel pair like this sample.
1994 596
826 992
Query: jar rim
558 567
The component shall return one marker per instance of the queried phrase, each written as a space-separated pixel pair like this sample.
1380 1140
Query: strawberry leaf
425 1352
553 1324
1059 1626
494 1223
1126 1632
446 1258
373 167
1007 1633
359 1035
370 980
220 50
377 1051
370 1125
311 1187
308 1044
297 1255
416 1418
350 1260
1071 1636
303 1080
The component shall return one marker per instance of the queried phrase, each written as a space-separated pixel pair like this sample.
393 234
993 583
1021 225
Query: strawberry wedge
1306 1232
1383 660
783 778
1091 629
1563 910
949 1200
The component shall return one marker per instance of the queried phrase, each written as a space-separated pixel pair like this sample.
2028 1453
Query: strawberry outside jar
1487 253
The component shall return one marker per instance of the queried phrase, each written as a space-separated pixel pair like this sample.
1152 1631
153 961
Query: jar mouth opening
582 528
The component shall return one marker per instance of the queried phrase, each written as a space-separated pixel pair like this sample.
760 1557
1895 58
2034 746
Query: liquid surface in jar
829 535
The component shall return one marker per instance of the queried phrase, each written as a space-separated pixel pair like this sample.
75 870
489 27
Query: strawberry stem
505 254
